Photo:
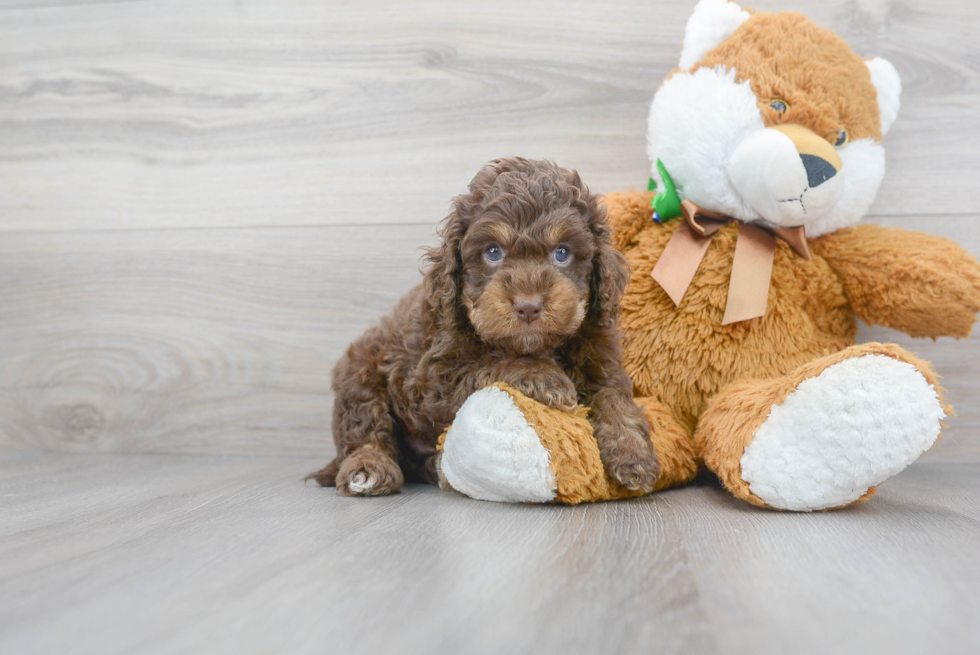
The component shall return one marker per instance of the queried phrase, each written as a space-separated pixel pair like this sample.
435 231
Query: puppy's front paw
554 390
369 472
635 475
631 461
557 398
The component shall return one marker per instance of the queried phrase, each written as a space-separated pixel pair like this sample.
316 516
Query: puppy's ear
442 283
610 275
610 272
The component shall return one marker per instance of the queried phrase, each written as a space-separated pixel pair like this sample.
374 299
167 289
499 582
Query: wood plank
194 341
231 554
143 115
223 340
894 575
234 554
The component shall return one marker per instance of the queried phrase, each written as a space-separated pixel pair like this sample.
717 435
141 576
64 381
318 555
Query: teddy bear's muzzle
787 174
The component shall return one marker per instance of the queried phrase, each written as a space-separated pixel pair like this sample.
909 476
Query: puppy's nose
528 309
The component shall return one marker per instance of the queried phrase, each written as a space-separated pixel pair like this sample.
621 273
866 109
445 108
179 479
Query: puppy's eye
779 105
494 253
841 138
562 254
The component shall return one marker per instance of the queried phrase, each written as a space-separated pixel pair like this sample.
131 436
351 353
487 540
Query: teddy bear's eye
779 105
841 138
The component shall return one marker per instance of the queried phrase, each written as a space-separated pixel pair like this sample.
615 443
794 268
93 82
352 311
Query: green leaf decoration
666 204
651 184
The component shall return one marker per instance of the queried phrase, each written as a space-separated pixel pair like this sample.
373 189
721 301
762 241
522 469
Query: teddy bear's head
771 119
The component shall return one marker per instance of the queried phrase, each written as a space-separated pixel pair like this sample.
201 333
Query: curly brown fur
400 384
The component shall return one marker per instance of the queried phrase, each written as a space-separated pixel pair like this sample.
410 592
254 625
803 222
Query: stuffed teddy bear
748 275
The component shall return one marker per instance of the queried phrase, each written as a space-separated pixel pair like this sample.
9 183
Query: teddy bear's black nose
818 170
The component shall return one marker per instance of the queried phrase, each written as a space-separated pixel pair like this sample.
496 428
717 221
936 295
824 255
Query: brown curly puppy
524 289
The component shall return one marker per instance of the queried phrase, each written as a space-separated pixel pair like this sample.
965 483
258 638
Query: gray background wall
202 203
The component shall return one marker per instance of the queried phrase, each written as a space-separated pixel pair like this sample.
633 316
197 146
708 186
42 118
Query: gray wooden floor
202 203
230 554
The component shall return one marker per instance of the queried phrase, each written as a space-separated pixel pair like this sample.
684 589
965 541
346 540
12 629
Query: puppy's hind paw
369 472
362 483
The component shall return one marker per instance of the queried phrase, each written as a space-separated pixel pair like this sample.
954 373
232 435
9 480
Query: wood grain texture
133 115
188 340
223 340
897 574
232 554
203 203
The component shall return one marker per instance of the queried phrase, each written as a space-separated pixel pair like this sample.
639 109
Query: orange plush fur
720 382
574 453
706 388
824 83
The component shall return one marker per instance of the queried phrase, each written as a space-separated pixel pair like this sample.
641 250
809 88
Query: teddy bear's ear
889 87
712 22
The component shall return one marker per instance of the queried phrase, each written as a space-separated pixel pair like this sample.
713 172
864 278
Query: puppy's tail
325 477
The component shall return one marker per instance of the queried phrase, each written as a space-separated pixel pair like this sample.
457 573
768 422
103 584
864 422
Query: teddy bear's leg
823 436
503 446
493 452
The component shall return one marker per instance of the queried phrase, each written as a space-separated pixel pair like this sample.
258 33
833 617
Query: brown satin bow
748 287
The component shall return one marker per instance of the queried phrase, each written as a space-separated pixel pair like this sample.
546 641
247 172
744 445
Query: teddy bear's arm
923 285
628 212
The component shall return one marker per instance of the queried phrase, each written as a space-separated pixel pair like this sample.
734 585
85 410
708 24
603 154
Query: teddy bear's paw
492 453
842 432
